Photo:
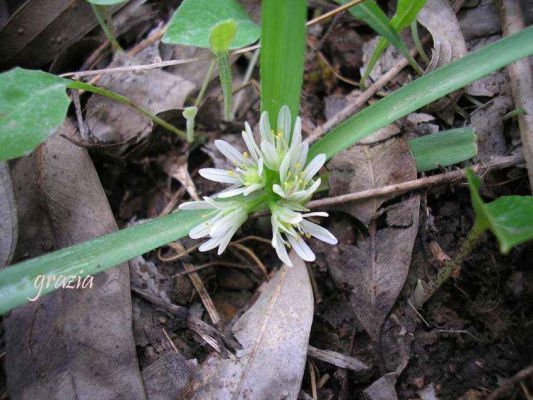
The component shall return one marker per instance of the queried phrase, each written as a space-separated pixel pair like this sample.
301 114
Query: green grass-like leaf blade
510 218
282 55
373 16
192 22
32 105
425 90
443 148
406 13
91 257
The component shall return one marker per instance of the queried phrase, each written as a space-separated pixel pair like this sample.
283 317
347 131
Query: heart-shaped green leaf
32 105
510 218
222 35
192 22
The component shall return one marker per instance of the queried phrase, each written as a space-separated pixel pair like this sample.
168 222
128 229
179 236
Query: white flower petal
226 223
230 152
314 166
284 166
232 192
284 122
248 137
195 205
219 175
316 214
318 232
264 128
270 155
296 138
301 248
203 229
252 188
281 251
278 190
300 157
289 216
211 244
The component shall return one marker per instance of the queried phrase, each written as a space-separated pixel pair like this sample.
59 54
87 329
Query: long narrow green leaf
373 16
406 13
282 55
425 90
443 148
89 258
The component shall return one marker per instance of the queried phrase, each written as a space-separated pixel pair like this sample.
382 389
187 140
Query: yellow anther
205 215
298 165
308 236
231 173
289 246
245 155
280 134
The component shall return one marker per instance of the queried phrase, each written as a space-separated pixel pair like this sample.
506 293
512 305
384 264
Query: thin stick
439 179
521 81
312 376
202 292
212 264
247 76
332 13
205 83
172 344
508 384
252 256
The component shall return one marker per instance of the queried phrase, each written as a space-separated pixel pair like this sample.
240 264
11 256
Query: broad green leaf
221 36
91 257
510 218
443 148
192 22
406 13
106 2
425 90
373 16
282 55
32 105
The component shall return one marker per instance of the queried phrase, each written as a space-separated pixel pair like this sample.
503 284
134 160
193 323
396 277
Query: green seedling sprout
190 114
418 43
103 16
509 218
220 38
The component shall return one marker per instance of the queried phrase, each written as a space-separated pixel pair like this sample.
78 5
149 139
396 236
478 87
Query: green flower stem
124 100
190 114
418 43
99 12
224 71
205 83
424 291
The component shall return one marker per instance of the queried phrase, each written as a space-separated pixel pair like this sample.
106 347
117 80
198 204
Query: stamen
245 155
231 173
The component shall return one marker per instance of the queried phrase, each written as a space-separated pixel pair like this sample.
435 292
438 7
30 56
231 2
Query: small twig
521 81
247 76
172 344
508 384
312 377
399 188
252 256
332 13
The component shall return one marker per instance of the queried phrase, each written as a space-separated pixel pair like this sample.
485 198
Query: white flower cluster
274 175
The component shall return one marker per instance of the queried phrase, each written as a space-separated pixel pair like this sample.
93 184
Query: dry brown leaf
8 217
365 166
70 343
376 268
168 377
274 334
39 30
155 90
